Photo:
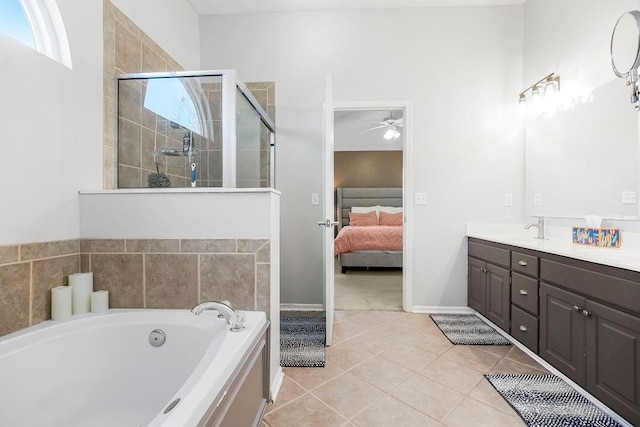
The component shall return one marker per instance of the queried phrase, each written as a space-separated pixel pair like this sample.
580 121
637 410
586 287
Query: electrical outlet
508 199
628 197
421 198
537 199
315 199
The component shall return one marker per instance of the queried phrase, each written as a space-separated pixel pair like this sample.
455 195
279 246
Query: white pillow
389 209
361 209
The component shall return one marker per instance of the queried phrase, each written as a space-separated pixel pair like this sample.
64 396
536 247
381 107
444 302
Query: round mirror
625 43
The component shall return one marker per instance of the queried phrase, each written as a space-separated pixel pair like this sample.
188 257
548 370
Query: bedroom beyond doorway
368 177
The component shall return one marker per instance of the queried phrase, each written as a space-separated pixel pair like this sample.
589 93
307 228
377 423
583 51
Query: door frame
407 185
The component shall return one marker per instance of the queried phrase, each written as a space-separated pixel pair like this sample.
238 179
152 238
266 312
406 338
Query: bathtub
101 370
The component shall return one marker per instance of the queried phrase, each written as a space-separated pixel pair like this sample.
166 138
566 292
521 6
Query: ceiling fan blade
373 128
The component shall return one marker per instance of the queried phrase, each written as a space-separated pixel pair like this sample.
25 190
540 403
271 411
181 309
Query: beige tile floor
390 368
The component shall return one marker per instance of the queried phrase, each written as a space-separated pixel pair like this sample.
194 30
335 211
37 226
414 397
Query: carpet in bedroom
361 289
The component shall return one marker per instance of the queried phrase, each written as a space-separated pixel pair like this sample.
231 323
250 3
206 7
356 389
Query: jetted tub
101 370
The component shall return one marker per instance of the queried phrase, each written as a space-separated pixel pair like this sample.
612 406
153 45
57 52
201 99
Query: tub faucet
539 226
233 318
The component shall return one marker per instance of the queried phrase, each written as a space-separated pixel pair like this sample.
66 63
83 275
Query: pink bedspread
379 237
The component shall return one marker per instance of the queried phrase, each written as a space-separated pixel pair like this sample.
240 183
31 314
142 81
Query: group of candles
77 298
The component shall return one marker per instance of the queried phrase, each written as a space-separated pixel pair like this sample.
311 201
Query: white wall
462 69
173 24
51 119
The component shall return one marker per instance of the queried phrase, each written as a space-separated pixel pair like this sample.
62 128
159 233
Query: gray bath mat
302 341
547 401
468 329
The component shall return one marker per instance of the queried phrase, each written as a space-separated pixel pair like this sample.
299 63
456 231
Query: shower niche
194 129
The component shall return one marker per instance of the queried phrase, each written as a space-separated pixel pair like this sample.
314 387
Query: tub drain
157 337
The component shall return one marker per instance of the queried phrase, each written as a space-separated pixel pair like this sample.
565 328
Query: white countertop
559 242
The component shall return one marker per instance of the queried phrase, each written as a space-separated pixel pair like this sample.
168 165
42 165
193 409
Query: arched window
38 24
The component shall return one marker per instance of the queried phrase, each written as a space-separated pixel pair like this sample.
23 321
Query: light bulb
523 105
388 134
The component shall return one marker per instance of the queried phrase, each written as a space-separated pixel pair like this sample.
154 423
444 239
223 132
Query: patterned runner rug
302 341
468 329
547 401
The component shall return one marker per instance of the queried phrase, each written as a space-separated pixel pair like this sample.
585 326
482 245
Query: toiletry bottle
186 142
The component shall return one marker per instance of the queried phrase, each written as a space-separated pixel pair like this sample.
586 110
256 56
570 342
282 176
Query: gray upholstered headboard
348 197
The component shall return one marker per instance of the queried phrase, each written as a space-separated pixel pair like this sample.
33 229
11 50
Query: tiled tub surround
138 273
27 274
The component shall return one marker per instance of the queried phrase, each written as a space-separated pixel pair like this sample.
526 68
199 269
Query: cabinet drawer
523 263
524 293
490 254
524 328
606 287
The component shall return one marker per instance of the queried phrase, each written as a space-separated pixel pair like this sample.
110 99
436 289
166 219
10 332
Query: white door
328 224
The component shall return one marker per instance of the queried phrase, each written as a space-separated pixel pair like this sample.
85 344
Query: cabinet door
498 296
613 359
563 331
477 287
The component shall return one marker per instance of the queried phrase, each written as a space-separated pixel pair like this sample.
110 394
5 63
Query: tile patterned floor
390 368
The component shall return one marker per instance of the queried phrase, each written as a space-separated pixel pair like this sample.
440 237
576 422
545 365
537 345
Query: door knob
586 313
577 309
327 223
522 263
523 292
523 328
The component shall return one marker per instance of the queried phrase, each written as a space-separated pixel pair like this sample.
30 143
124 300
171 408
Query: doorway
367 156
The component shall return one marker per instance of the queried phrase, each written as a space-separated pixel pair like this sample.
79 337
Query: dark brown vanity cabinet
489 283
581 317
524 298
594 343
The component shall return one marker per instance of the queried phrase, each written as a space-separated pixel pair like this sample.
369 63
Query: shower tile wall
127 49
148 273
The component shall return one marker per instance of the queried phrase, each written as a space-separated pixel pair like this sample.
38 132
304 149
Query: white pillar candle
60 302
81 288
99 301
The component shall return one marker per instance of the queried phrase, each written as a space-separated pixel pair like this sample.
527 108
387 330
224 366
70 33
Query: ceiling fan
391 124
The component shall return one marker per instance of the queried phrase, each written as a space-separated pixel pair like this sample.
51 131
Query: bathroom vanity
577 308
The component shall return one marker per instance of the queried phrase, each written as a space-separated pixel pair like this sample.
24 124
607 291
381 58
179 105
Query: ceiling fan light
389 134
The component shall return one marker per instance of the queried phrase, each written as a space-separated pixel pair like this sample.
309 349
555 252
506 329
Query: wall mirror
625 51
580 162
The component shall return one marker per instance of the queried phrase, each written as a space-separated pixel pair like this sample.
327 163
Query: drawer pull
522 263
586 313
523 292
577 309
523 328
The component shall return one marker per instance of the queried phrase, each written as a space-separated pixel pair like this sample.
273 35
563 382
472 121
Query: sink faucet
233 318
539 226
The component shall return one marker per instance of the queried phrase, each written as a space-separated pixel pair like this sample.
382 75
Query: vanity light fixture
539 93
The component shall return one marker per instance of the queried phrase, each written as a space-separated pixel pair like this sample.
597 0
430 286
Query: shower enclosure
192 129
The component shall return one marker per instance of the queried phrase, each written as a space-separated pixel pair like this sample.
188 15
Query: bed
347 198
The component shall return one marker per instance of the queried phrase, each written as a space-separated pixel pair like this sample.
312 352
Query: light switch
508 199
537 199
421 198
628 197
315 199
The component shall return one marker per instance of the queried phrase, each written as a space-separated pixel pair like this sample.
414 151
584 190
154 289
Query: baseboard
301 307
274 389
437 309
556 372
